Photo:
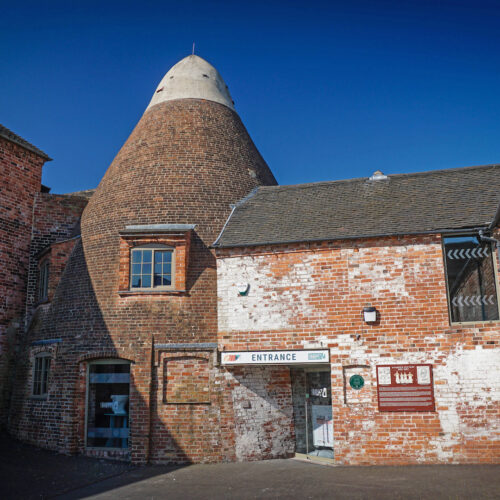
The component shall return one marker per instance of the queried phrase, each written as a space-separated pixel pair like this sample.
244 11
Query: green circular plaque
357 382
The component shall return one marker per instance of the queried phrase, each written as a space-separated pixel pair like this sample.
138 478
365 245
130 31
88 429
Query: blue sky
327 90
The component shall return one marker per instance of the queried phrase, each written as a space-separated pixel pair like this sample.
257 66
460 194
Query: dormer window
154 259
43 281
152 266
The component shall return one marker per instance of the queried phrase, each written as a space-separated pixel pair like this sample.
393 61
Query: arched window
152 266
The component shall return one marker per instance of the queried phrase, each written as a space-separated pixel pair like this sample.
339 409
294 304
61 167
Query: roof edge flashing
157 228
457 231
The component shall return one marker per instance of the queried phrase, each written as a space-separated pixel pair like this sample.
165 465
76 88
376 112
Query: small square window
152 267
471 280
41 375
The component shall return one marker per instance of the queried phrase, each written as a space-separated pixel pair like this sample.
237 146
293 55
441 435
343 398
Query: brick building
198 312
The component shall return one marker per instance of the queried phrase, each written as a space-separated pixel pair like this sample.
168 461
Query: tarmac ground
27 472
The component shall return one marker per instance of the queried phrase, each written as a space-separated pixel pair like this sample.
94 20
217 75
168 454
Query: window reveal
471 280
41 375
151 268
108 404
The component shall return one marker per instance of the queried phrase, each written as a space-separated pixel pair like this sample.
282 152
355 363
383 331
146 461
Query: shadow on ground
27 472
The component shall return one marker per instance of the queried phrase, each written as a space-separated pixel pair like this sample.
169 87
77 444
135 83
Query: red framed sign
405 388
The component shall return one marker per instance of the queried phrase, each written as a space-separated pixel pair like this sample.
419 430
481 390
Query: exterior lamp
243 288
370 314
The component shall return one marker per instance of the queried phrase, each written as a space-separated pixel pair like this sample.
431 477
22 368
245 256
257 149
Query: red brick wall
312 295
186 409
20 180
55 219
57 257
185 163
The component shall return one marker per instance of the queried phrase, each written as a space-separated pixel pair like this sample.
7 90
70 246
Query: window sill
472 324
45 397
127 293
41 302
107 448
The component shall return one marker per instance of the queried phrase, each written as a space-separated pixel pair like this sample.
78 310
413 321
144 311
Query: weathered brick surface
312 295
55 219
185 162
263 412
20 180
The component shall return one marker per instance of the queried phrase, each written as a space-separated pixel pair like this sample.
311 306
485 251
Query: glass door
108 404
312 401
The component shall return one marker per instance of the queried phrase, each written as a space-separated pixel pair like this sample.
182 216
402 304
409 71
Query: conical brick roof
187 160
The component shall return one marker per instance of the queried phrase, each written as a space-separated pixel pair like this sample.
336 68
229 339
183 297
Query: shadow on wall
71 330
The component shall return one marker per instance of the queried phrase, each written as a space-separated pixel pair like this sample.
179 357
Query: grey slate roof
416 203
16 139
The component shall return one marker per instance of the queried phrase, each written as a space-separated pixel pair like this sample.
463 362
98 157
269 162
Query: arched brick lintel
107 354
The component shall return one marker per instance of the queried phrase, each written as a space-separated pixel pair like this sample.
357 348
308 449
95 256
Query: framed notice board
405 388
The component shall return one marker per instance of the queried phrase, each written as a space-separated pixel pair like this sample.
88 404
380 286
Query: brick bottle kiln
167 195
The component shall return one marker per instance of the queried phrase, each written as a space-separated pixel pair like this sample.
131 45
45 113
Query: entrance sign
322 425
275 357
405 388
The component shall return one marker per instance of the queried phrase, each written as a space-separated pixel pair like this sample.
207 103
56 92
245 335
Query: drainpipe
482 237
491 227
152 394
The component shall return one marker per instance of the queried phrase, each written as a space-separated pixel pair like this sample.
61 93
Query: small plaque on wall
405 388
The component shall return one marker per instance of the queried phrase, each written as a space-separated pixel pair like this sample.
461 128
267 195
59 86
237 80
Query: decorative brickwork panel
194 432
186 380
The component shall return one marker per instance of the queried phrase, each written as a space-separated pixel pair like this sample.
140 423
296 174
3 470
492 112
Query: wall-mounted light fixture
369 314
243 288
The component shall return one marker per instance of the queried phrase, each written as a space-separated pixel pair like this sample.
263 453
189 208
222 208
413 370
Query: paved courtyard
28 473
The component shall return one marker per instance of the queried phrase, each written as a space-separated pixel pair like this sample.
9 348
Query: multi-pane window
43 280
41 375
471 279
151 267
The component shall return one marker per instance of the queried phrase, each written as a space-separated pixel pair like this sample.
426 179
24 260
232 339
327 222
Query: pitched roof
16 139
87 193
398 204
